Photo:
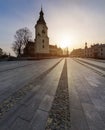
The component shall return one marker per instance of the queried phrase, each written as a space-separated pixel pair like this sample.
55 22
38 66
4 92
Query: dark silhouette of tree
1 52
22 37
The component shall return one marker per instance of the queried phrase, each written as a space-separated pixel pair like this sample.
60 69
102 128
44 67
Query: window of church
43 31
43 40
43 46
38 34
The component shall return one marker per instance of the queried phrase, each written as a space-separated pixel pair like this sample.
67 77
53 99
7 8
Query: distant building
77 53
59 52
30 49
40 46
55 51
66 51
94 51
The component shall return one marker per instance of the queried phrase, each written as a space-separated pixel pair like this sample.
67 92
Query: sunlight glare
65 41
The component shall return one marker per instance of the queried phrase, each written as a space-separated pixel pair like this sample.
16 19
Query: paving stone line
1 71
59 115
99 67
13 99
96 71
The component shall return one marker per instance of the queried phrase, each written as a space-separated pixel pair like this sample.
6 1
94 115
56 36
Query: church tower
41 36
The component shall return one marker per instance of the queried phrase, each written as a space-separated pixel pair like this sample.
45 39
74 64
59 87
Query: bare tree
22 37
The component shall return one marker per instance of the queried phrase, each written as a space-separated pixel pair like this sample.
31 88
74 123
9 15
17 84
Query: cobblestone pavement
52 95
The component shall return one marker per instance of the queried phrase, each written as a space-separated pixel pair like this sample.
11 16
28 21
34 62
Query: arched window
43 46
43 41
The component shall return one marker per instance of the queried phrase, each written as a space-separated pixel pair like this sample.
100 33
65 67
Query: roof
41 18
53 46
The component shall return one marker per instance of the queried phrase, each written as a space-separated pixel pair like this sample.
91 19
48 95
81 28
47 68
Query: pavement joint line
23 119
43 110
96 71
102 60
16 68
17 96
59 114
99 67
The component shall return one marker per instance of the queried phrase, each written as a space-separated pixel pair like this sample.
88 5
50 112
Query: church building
41 38
40 46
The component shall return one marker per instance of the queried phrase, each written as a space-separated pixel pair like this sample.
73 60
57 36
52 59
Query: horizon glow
70 23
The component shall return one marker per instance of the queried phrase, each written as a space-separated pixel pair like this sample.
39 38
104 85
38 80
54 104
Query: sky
70 23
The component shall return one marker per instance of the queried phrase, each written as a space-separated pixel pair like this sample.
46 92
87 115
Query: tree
1 52
22 37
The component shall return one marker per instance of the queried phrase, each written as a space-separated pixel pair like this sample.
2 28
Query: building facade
77 53
94 51
29 50
41 36
40 46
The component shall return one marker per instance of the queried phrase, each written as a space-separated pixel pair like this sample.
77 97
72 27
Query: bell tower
41 35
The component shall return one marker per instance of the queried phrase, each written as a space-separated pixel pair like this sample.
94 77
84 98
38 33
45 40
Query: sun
65 44
65 41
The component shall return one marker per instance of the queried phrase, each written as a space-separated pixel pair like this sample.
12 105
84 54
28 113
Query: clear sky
70 22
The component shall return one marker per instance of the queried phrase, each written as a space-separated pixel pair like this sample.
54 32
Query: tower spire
41 17
41 8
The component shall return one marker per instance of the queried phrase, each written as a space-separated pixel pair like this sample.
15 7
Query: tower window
43 46
43 31
43 40
38 34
